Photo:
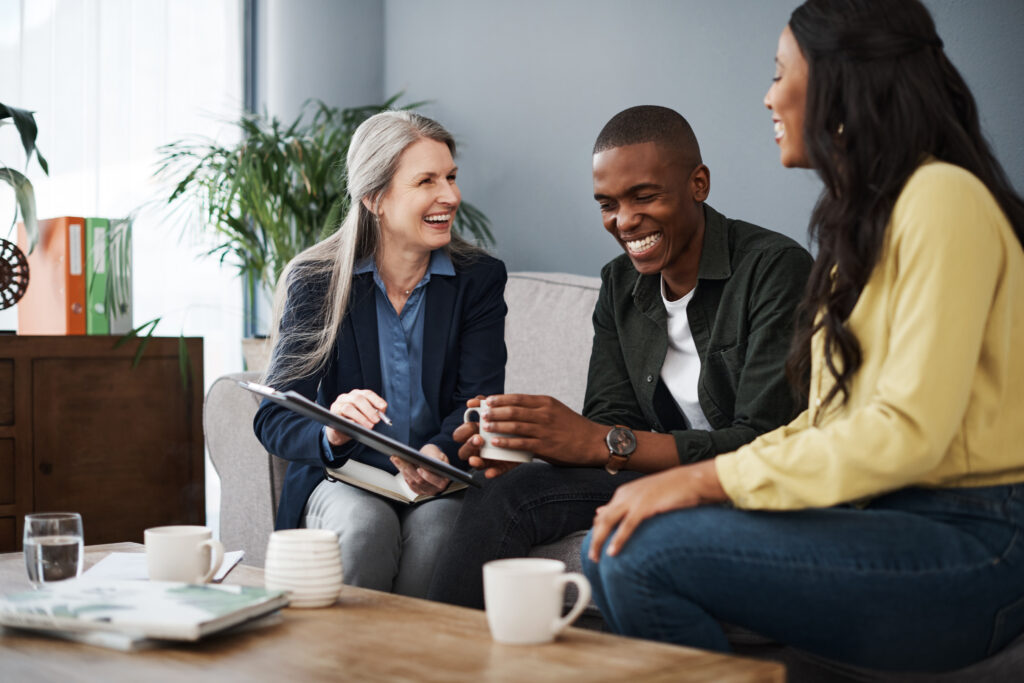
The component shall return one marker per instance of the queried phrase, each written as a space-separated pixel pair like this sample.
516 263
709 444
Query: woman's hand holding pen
362 406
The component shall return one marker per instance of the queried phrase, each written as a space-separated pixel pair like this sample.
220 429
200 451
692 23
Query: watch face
621 441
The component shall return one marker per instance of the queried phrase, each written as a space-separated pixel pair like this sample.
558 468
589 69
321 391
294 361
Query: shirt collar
715 262
440 264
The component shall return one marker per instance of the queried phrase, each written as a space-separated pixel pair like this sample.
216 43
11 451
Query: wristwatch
621 444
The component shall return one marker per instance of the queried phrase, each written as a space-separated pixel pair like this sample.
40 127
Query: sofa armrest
250 478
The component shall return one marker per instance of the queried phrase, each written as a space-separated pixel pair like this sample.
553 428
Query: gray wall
331 50
526 85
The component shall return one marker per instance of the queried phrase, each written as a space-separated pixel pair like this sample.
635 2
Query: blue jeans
919 580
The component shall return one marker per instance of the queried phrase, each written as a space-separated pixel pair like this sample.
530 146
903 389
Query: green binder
96 273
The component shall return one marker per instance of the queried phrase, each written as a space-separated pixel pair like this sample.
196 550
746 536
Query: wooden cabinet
84 431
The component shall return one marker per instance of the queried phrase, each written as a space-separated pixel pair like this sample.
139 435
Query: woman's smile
440 221
787 100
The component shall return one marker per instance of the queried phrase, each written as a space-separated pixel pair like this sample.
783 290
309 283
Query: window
110 81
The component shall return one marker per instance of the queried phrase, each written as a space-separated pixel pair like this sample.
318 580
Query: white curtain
110 81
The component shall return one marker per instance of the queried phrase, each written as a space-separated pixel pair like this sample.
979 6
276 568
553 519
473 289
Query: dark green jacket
749 283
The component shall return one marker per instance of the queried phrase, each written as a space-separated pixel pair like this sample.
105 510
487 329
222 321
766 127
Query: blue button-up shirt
400 345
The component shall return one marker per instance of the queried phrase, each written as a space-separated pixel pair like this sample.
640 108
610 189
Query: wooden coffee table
366 636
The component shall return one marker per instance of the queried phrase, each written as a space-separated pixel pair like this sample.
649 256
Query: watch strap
615 463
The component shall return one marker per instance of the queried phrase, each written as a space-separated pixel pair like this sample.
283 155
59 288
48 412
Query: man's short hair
649 123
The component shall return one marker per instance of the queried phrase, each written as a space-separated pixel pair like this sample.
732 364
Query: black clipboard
298 403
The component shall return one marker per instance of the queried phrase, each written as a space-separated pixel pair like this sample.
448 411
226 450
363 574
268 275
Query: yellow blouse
939 398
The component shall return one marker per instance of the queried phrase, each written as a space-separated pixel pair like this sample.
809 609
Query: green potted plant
25 123
14 273
277 191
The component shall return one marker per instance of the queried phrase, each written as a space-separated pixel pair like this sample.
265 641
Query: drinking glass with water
53 546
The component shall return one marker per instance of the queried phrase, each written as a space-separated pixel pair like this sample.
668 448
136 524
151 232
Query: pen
385 418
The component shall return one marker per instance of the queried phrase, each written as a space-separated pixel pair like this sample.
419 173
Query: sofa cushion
549 333
566 549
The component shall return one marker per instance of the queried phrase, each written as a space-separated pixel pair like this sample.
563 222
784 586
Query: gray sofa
548 334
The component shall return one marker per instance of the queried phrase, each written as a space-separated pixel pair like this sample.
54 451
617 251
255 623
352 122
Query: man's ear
700 182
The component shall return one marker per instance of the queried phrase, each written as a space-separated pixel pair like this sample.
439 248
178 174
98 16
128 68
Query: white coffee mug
489 451
524 596
188 554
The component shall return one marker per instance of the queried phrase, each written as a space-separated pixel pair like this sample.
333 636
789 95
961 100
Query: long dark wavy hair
881 97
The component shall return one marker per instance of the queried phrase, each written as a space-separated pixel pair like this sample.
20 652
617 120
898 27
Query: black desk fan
13 274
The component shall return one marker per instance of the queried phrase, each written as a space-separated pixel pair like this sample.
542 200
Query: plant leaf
183 361
26 197
333 219
25 122
143 343
134 334
472 220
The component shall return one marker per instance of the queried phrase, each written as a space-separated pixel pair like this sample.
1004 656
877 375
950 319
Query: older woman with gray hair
391 314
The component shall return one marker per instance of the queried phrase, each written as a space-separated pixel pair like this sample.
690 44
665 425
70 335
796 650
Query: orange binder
54 302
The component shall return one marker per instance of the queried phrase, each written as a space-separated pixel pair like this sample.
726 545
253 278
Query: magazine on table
360 474
158 610
132 642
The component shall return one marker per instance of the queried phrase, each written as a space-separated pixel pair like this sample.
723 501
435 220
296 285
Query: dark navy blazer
463 356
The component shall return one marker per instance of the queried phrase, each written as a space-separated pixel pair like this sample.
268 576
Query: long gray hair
373 155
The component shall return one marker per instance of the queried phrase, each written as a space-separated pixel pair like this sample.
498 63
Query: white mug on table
184 553
523 598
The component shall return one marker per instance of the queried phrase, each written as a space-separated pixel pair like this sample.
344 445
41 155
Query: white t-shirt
681 369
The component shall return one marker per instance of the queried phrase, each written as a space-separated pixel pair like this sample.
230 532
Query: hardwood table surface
366 636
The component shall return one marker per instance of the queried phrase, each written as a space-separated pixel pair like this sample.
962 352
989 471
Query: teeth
780 129
441 218
636 246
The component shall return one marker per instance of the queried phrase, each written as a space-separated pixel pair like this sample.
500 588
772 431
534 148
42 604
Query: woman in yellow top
884 527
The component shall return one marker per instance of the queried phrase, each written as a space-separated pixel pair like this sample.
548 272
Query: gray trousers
385 545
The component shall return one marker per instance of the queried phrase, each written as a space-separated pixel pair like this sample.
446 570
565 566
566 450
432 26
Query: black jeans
533 504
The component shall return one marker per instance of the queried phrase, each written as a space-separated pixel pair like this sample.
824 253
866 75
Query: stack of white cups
307 564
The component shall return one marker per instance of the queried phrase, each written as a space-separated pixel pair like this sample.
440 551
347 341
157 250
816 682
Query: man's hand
359 405
422 481
681 487
468 434
547 428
